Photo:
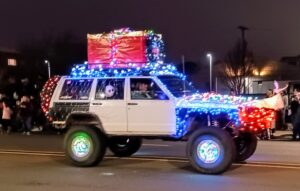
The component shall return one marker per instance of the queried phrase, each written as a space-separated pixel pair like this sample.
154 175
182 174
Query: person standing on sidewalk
1 112
273 100
25 113
268 133
6 116
284 110
295 116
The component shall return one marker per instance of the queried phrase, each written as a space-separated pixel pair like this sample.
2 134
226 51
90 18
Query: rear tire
84 146
211 150
124 146
246 145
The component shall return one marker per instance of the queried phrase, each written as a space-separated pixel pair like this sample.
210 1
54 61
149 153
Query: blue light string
212 104
153 69
208 104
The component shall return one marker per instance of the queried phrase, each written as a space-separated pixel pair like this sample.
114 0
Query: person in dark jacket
295 117
1 112
25 114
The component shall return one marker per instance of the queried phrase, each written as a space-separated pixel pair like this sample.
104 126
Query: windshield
177 86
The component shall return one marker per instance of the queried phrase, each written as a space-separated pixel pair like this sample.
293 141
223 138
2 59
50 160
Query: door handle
97 103
132 103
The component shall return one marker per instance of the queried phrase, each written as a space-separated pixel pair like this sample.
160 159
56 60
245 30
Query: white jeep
119 110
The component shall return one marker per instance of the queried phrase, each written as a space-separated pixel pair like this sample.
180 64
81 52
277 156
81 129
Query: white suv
117 111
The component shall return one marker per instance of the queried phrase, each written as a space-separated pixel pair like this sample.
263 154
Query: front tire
246 145
211 150
124 146
84 146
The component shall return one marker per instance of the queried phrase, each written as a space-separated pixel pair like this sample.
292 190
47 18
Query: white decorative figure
109 91
275 102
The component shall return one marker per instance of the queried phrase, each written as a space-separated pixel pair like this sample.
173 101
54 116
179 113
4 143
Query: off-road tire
75 145
246 145
124 146
219 142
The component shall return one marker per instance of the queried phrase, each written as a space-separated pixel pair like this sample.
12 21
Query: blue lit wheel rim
81 145
208 151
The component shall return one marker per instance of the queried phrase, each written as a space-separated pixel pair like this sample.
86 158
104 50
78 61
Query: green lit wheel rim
81 145
208 151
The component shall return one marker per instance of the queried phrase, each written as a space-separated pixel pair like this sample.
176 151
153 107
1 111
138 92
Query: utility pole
243 29
183 64
209 56
49 68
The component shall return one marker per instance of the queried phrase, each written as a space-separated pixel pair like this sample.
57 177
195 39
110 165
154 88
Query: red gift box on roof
99 49
120 49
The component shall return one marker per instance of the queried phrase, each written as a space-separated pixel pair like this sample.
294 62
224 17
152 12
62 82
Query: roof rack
149 69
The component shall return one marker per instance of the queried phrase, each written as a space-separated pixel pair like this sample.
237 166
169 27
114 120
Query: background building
10 65
285 71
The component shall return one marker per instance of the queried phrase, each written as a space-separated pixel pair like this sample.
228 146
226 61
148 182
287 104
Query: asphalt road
37 163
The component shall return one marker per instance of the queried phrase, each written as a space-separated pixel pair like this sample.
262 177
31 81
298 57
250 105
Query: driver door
150 110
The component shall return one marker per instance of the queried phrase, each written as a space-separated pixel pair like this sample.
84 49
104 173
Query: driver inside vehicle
141 91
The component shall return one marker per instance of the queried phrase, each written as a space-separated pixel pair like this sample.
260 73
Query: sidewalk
282 135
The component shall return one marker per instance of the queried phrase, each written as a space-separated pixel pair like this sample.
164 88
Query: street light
49 68
209 55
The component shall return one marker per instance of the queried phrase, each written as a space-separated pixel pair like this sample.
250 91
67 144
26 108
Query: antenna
183 71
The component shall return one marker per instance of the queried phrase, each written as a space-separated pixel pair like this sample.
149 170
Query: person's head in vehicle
143 87
142 90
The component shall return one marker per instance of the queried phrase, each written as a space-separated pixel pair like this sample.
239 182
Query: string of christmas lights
151 47
84 70
237 109
209 104
255 119
155 47
47 92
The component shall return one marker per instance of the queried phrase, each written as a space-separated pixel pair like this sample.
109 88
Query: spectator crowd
287 118
20 109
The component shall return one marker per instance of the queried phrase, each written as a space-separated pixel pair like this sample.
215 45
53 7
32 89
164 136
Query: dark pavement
283 135
37 162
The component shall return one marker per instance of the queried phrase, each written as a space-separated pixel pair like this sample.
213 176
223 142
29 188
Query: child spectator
6 116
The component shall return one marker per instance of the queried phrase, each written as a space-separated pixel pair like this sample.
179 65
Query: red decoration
117 49
131 49
47 92
99 49
256 119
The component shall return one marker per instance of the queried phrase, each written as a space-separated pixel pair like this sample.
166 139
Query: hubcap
81 145
208 151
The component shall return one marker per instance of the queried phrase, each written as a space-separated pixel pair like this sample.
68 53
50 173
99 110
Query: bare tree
236 67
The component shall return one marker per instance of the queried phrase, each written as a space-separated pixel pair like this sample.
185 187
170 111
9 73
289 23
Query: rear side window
76 89
110 89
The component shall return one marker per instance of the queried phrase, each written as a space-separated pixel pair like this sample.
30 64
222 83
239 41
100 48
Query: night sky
189 27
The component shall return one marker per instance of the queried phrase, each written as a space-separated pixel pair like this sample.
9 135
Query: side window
146 89
76 89
110 89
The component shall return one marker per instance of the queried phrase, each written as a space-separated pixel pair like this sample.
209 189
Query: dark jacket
25 109
294 107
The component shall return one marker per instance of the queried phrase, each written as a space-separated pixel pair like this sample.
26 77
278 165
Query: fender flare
83 118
